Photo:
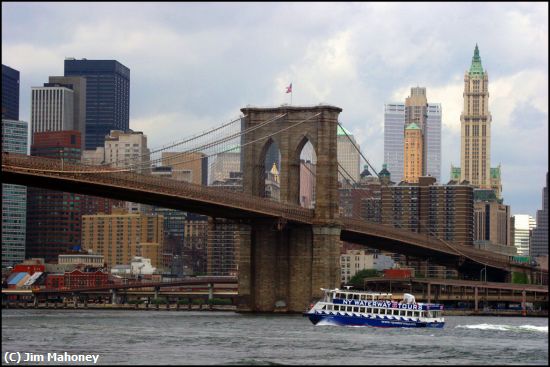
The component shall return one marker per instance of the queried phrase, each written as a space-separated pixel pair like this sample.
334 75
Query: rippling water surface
202 337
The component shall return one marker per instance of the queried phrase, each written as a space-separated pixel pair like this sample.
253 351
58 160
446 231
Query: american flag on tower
289 88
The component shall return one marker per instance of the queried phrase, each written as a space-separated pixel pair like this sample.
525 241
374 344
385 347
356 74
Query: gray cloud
194 65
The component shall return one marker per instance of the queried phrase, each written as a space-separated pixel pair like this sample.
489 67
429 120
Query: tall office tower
78 85
539 239
432 141
522 225
413 153
397 116
53 217
121 235
223 164
348 156
107 97
492 230
51 109
224 236
10 93
475 120
416 107
14 197
195 243
127 150
190 167
394 124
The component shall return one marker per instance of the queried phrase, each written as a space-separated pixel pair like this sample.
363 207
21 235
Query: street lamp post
483 271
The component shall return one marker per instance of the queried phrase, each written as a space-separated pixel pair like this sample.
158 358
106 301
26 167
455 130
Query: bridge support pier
283 270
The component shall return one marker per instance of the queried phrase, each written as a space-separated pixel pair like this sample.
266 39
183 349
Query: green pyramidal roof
412 126
343 131
476 68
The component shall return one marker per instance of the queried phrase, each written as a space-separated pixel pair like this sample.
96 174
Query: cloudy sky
194 65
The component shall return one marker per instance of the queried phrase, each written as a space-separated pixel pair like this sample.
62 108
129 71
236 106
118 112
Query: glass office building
394 126
432 140
10 93
14 197
107 97
394 137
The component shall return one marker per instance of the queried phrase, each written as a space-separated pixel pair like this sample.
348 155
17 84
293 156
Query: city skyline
195 65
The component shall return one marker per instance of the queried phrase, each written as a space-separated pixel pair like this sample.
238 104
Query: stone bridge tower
282 266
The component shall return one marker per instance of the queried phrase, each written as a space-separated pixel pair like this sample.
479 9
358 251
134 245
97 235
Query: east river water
209 337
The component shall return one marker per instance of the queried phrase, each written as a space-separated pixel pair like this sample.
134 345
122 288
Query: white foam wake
542 329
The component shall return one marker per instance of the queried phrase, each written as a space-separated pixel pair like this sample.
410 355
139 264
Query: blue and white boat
359 308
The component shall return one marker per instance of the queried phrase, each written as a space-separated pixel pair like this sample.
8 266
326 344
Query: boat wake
326 322
525 328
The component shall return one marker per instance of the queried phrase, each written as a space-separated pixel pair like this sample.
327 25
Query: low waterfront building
354 261
91 260
82 278
141 266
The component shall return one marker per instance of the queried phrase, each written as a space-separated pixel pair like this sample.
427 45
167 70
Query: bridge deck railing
426 240
131 180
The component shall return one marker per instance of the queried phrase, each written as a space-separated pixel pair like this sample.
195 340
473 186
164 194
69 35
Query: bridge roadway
118 184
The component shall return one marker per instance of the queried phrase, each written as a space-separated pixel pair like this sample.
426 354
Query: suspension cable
354 145
206 146
193 159
181 142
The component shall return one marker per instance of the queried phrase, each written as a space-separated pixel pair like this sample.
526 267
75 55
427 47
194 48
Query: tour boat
359 308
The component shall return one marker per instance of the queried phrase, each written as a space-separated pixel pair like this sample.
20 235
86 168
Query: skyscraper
10 93
14 197
53 217
475 120
107 97
51 109
348 155
394 125
539 240
78 85
427 116
432 141
522 224
413 159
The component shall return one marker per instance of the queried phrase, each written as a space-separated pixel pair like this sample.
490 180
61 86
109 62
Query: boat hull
363 320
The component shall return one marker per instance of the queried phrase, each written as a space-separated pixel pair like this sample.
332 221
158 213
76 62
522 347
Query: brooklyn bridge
289 252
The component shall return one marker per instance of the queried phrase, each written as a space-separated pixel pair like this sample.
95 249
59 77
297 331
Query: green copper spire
476 68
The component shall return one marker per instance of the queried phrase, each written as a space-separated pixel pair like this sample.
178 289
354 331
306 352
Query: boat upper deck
375 299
